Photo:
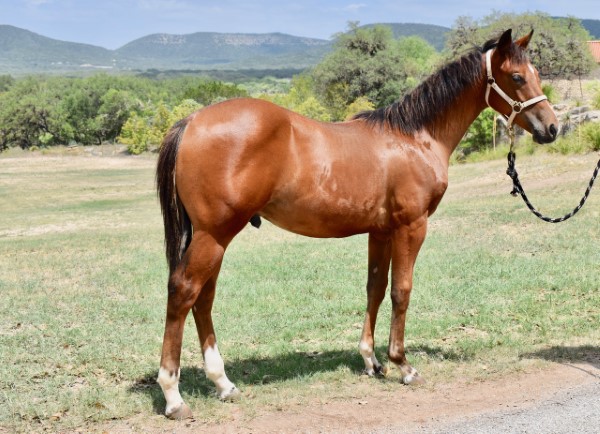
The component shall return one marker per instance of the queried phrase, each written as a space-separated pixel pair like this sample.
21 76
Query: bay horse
383 173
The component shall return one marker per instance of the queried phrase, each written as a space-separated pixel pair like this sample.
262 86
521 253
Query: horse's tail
178 228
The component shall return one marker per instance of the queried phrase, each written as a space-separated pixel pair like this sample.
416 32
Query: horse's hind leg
379 265
200 263
213 363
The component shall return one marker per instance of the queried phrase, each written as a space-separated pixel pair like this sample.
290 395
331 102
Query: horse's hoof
381 371
180 413
413 379
231 396
376 371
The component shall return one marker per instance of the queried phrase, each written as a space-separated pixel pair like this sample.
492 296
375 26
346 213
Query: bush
360 104
596 100
551 93
590 132
211 92
313 109
479 135
586 138
567 145
142 130
594 88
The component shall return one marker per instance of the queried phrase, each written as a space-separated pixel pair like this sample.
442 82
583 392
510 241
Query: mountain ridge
224 49
25 52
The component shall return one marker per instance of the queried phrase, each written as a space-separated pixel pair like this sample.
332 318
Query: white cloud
355 7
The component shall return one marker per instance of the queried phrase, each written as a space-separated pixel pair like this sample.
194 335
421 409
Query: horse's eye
517 78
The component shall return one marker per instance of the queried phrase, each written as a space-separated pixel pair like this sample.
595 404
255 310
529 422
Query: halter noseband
517 106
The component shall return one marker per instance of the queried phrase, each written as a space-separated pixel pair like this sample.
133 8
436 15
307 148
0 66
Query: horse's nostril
553 130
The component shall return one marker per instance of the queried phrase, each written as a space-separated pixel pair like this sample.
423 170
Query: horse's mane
423 105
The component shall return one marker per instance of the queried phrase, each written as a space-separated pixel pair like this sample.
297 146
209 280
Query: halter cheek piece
517 106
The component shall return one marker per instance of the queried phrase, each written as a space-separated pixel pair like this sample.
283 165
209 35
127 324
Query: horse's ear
524 41
505 42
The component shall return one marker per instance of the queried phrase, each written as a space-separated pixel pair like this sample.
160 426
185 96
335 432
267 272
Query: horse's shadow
280 368
567 355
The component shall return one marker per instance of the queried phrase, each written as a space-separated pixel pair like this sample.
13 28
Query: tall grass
82 278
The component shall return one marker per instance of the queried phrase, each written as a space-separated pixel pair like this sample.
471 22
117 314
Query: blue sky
113 23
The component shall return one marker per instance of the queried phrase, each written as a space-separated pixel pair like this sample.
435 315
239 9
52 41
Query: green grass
82 278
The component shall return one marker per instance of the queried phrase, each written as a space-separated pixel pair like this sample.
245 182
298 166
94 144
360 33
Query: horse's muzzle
547 136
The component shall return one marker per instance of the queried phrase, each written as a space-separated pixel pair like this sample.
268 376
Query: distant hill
435 35
593 27
22 51
25 51
223 50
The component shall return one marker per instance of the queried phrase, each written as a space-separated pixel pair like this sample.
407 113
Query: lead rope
518 188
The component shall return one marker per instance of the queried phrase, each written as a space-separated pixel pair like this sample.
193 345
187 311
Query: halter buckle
517 106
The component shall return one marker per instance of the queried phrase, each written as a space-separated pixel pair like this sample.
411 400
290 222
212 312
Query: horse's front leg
379 267
406 243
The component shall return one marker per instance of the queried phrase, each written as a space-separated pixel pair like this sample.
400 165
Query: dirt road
562 398
572 410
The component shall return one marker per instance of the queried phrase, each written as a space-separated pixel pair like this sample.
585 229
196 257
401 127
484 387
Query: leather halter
517 106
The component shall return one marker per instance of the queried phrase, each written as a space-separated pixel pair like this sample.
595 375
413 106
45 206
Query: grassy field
82 279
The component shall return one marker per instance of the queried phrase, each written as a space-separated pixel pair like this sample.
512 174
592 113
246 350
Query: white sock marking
170 387
371 362
215 371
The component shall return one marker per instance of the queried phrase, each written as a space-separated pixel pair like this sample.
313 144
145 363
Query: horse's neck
454 121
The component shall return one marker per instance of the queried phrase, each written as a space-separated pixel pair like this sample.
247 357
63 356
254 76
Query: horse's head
514 88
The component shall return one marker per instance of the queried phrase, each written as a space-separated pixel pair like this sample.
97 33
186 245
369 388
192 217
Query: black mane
423 105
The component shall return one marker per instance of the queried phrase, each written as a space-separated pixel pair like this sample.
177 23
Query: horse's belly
327 217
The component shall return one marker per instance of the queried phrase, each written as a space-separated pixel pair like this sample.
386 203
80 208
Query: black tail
178 228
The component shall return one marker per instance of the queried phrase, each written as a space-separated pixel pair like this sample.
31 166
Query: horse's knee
401 297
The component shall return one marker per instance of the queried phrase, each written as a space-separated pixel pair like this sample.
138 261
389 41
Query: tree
479 135
141 130
30 114
116 106
559 48
301 98
209 92
360 104
313 109
6 81
369 62
47 111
